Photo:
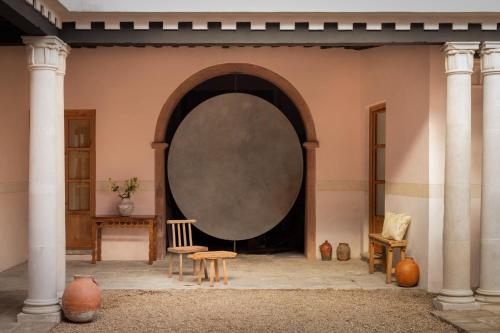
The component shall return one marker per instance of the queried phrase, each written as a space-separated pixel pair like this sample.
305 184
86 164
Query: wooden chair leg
403 253
224 270
371 265
180 267
212 268
194 267
388 269
217 278
170 264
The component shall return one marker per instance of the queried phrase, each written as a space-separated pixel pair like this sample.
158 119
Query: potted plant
126 206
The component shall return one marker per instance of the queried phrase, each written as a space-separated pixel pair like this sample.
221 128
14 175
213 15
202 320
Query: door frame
374 219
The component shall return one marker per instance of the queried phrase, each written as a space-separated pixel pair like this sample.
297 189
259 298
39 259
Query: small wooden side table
212 257
116 221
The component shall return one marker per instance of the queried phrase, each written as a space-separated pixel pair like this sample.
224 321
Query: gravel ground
263 311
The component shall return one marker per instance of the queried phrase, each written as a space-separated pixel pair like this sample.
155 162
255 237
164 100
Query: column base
40 311
488 296
455 300
54 317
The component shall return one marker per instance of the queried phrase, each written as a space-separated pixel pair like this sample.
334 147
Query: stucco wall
400 77
128 87
14 139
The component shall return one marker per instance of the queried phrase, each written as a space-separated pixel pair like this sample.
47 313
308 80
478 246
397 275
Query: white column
60 173
456 293
42 302
489 282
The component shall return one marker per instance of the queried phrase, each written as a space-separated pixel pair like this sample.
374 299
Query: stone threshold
471 321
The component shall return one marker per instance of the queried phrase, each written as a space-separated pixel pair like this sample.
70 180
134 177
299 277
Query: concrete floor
283 271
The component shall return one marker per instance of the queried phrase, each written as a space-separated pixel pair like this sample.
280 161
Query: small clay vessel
343 252
81 299
407 272
326 251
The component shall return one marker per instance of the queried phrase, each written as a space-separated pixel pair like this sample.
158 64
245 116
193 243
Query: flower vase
126 207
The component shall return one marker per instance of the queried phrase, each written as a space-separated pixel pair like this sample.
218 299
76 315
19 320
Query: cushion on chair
395 225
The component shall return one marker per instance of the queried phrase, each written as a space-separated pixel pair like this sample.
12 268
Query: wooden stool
389 245
212 257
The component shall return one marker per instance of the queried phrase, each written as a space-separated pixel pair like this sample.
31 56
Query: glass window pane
380 130
78 165
78 196
380 164
380 199
78 133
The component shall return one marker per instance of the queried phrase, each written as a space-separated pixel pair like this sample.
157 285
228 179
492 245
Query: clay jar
326 251
343 252
81 299
407 272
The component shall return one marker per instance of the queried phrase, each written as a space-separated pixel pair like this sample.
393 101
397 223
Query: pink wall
128 87
14 138
400 77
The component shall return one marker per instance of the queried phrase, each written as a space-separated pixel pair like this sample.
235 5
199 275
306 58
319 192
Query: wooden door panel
78 231
80 177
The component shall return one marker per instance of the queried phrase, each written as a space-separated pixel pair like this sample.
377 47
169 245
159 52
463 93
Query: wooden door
80 177
377 168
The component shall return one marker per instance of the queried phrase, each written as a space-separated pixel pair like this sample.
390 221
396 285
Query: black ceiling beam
26 18
272 36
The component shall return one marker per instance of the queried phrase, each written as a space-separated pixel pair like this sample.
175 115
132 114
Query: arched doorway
160 144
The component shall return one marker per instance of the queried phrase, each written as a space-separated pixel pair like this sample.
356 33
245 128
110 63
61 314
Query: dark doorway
288 235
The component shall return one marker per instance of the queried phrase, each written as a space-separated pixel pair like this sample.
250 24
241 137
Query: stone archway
310 145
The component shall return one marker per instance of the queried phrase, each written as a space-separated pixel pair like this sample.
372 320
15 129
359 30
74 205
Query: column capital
490 58
63 54
459 57
43 51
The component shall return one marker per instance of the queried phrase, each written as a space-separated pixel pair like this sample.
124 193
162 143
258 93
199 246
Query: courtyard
265 293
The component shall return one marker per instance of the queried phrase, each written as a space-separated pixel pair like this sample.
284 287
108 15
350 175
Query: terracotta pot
81 299
343 252
407 272
326 251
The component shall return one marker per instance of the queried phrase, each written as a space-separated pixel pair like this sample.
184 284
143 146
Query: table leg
200 270
212 273
217 278
99 240
224 270
151 244
93 242
205 268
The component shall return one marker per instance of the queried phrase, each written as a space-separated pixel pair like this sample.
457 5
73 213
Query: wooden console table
116 221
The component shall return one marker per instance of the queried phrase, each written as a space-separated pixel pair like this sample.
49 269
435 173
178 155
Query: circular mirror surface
235 165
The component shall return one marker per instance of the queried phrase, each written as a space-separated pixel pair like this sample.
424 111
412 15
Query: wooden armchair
182 243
